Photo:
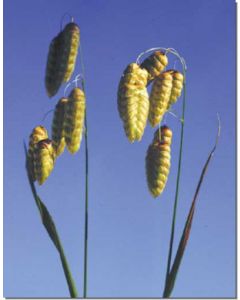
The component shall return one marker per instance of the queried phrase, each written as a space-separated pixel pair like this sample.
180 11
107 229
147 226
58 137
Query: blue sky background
128 231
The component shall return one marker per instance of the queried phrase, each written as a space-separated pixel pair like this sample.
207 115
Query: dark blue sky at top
128 230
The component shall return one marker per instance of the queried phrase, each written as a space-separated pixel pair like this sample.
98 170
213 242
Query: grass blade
186 232
49 225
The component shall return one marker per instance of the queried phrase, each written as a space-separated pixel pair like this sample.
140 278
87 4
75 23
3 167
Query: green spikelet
38 133
44 158
133 103
177 86
74 120
55 69
158 161
159 97
61 58
58 139
155 64
71 36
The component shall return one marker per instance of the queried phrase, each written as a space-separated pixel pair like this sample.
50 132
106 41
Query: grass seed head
74 120
71 36
133 102
38 133
61 59
155 64
44 159
158 161
159 97
177 86
58 139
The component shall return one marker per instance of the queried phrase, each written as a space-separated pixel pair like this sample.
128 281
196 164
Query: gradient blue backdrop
128 231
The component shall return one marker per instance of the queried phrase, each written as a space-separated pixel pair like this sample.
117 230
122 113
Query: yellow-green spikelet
55 68
38 133
133 102
177 86
155 64
61 58
71 36
44 159
158 161
57 126
159 97
74 120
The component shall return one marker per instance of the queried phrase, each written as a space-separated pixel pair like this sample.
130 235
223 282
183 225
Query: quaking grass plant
136 108
166 89
68 126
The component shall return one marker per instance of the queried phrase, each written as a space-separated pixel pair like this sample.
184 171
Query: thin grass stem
85 279
178 180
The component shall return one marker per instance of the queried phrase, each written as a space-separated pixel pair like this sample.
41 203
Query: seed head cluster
69 112
136 106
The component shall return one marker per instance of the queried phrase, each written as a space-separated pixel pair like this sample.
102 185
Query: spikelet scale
74 120
159 97
155 64
158 161
44 158
58 139
133 103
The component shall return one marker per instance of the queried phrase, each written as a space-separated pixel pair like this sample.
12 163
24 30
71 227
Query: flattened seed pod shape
177 86
133 102
44 158
55 69
61 58
155 64
74 120
159 97
158 161
39 133
58 139
71 36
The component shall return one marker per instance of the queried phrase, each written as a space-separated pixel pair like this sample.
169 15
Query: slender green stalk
86 185
48 223
86 215
178 181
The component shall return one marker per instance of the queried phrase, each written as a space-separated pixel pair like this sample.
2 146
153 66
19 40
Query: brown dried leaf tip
158 161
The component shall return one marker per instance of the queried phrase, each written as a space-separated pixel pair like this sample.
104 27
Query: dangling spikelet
159 97
74 120
133 103
58 139
155 64
44 158
39 133
158 161
71 36
61 58
177 86
55 68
